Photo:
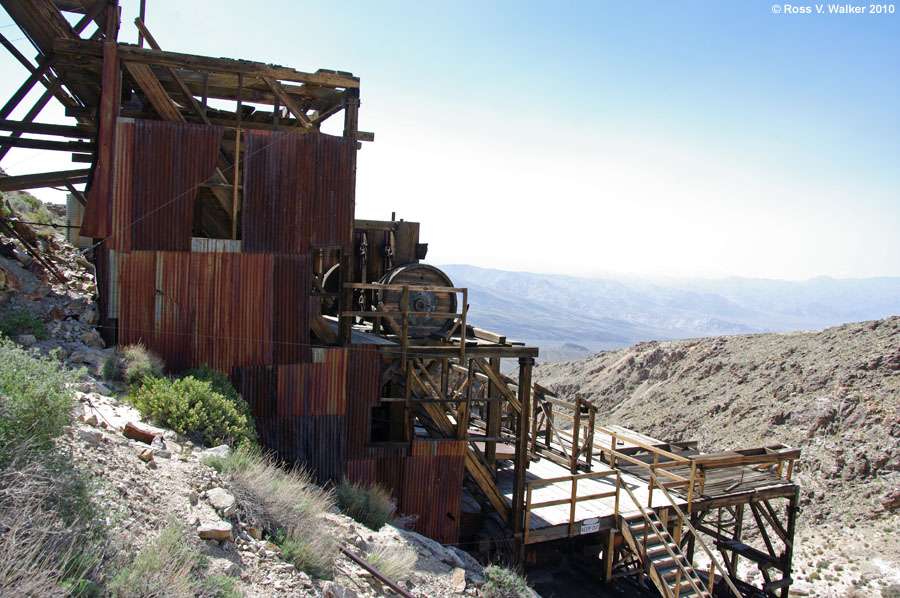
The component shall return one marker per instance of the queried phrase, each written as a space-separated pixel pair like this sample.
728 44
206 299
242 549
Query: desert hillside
834 393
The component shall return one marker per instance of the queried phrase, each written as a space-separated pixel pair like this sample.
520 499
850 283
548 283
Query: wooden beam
44 179
206 63
47 129
46 144
192 102
289 103
154 91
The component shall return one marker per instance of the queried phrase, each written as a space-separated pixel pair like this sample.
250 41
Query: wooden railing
573 499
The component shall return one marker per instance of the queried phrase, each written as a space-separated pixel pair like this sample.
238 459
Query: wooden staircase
663 560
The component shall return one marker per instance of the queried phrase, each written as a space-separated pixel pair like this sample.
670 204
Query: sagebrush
132 364
14 322
192 408
500 582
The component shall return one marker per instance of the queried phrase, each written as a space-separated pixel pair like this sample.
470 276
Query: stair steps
665 563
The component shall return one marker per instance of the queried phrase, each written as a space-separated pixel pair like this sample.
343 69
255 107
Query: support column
525 366
493 420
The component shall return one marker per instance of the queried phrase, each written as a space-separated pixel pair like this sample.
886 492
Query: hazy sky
702 138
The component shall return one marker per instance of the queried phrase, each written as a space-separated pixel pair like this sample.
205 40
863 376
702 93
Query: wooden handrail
686 521
573 499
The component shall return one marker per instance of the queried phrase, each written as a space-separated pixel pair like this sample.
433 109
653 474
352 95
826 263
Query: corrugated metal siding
298 189
234 309
313 389
279 185
290 328
204 245
170 160
361 471
174 309
120 233
363 393
438 512
137 278
332 212
112 281
257 384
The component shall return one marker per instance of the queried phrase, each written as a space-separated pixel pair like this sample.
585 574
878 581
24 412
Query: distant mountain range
551 310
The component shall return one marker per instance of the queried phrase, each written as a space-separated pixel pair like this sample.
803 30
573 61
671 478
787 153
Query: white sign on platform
589 526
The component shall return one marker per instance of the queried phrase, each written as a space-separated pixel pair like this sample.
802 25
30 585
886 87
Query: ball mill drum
419 301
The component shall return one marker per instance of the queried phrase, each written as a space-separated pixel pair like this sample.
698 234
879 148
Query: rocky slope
834 393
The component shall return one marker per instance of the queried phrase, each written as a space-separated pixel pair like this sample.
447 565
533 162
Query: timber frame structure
220 219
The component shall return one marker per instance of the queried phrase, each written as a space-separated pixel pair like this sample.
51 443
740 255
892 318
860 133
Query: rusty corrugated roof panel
171 159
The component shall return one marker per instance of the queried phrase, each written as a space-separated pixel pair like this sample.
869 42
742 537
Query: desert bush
132 364
394 561
500 582
220 383
286 504
35 402
192 408
170 567
371 506
20 321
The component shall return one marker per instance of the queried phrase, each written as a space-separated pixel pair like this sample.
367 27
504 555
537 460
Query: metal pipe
375 572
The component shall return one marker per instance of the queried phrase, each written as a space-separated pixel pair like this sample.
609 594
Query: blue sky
692 138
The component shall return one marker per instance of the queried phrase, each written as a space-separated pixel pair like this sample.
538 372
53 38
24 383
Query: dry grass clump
132 364
371 506
394 561
171 567
286 504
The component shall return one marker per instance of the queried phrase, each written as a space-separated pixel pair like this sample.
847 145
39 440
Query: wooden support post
521 464
493 419
609 555
235 199
346 303
576 429
462 414
589 435
404 335
788 556
351 113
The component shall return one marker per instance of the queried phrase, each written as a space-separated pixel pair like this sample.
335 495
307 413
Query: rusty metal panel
112 281
361 471
120 230
293 398
258 386
204 245
438 511
389 472
174 309
279 187
314 389
170 160
332 210
318 443
363 393
138 292
233 294
290 328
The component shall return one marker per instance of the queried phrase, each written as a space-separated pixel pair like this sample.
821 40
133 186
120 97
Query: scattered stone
146 455
222 501
255 533
458 580
194 498
90 435
222 450
160 449
92 338
233 570
140 432
217 530
335 590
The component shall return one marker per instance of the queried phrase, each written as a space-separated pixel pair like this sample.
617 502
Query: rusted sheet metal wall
120 231
361 471
332 210
318 442
257 384
313 389
234 309
298 190
290 328
170 160
363 393
194 308
435 464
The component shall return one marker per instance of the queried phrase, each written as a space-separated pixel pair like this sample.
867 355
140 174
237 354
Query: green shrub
503 583
371 506
171 566
220 383
35 402
19 321
191 408
286 504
